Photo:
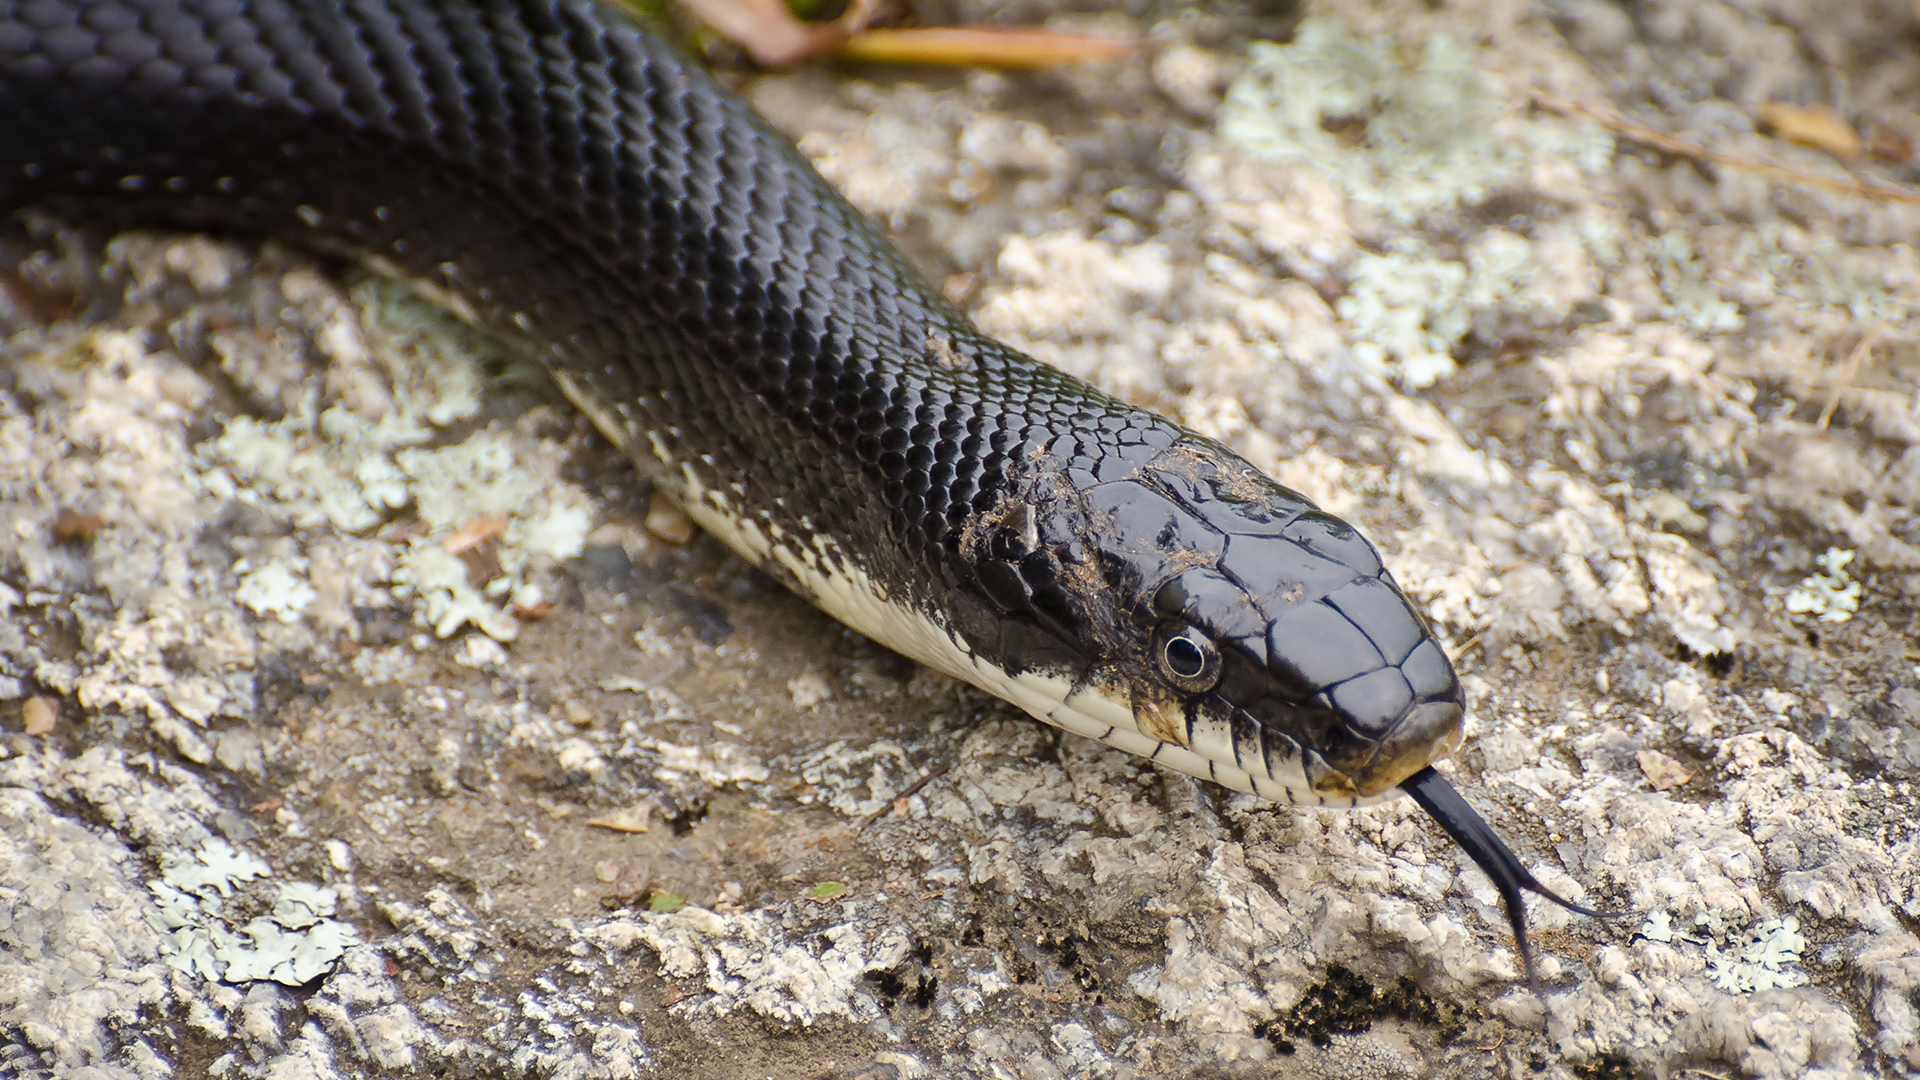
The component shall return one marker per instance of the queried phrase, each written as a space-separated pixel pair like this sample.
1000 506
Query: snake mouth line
1428 733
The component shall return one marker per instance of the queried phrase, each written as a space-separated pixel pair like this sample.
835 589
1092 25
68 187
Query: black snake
759 350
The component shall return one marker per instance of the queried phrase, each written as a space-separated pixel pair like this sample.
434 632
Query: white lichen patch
754 961
1742 956
1405 137
1831 595
279 588
855 780
262 540
195 912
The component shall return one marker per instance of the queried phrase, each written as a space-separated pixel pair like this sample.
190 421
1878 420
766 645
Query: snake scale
761 352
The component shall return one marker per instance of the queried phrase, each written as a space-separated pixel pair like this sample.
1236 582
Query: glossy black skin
586 189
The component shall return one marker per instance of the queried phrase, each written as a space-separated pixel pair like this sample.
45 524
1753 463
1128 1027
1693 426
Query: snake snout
1425 733
1385 735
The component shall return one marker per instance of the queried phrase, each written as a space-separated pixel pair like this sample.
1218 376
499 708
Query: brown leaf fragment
631 819
39 715
477 531
1663 773
1812 125
672 995
1890 145
482 562
40 302
407 530
73 527
984 46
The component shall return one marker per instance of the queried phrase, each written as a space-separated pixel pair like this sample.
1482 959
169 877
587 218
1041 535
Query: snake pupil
1184 658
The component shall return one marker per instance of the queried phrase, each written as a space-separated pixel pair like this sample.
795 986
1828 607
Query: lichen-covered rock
360 639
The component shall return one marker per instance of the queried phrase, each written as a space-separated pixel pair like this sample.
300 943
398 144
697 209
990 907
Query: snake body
760 350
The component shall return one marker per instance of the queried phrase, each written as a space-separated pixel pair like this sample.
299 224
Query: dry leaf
406 531
1663 773
1890 145
73 527
475 532
774 36
40 714
1812 125
632 819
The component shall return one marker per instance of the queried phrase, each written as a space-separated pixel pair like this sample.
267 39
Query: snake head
1258 640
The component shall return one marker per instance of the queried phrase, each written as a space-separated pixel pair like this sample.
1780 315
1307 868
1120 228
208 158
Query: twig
912 789
1666 143
992 46
1855 357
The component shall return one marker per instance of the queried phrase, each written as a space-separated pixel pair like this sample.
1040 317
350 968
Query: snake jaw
1428 732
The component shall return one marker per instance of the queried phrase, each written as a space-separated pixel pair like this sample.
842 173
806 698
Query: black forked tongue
1490 854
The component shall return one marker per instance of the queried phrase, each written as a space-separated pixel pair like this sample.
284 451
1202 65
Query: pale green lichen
1408 140
1865 285
359 462
1831 596
1402 137
1742 957
1405 314
277 589
1690 296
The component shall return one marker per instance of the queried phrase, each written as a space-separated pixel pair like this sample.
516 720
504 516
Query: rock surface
359 716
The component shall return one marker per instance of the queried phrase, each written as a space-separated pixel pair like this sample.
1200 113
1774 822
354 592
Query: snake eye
1187 658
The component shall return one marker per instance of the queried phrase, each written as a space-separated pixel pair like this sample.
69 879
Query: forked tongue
1490 854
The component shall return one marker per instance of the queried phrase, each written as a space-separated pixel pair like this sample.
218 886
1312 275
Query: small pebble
40 715
667 521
